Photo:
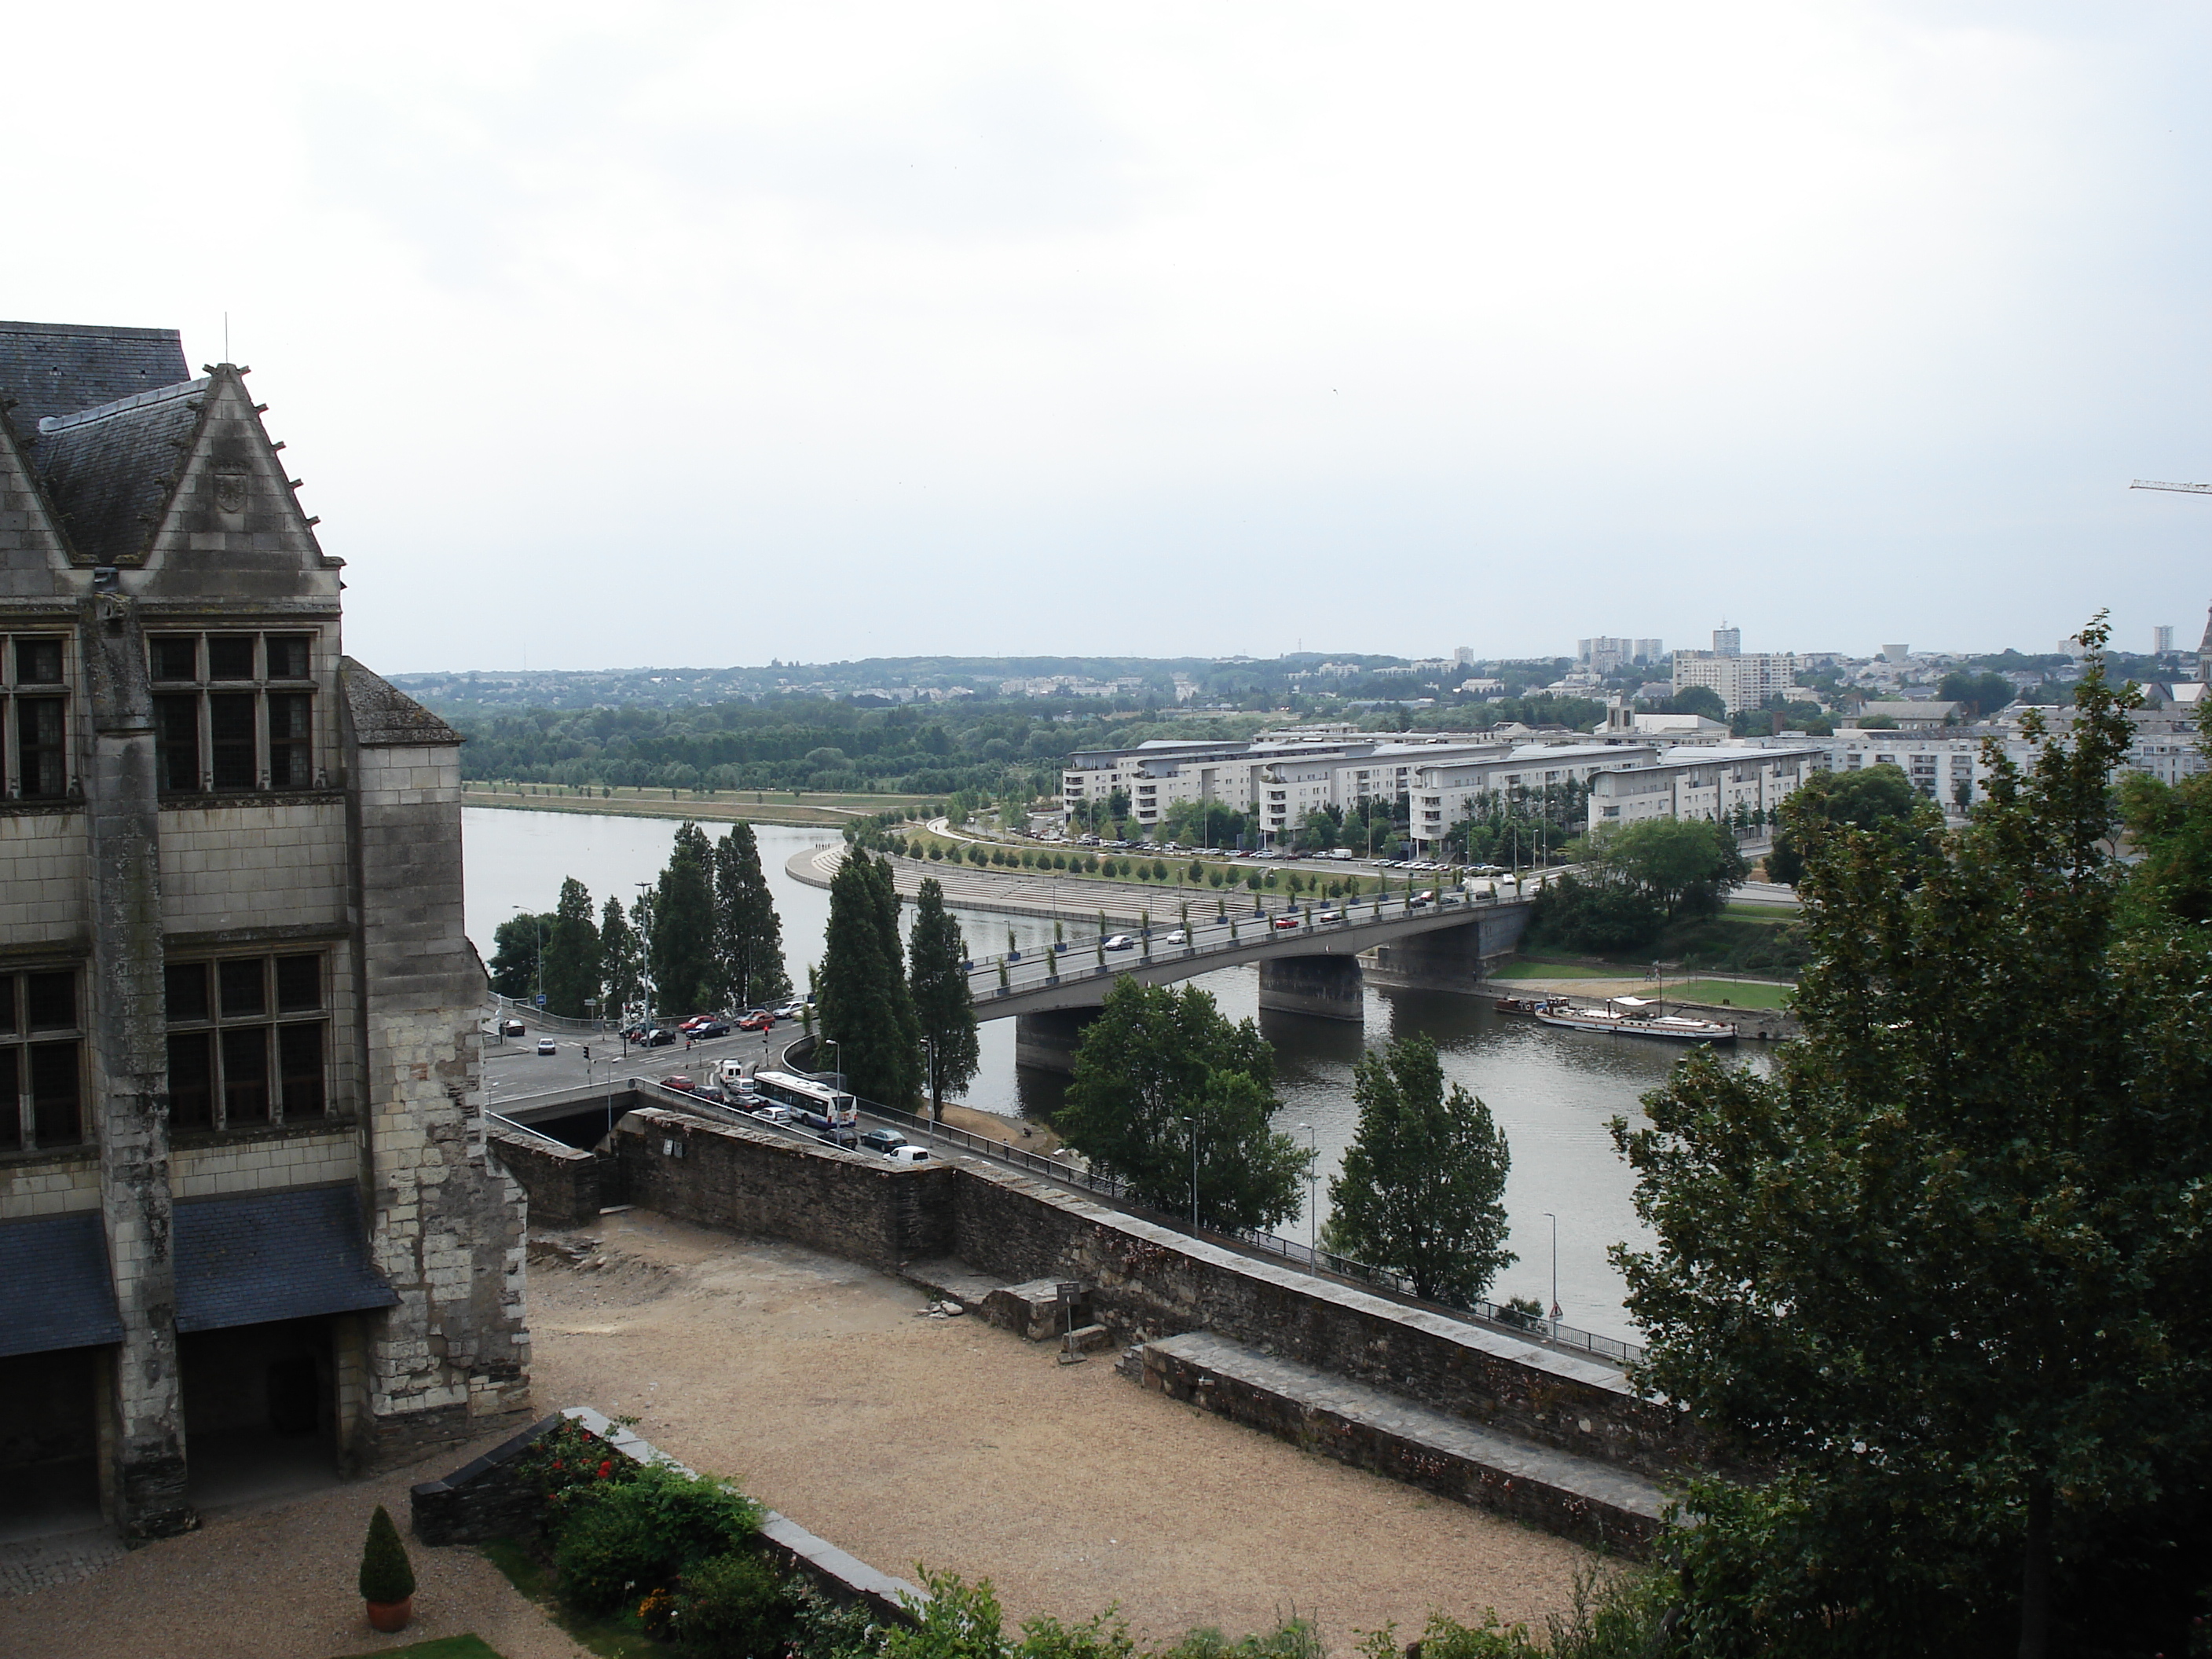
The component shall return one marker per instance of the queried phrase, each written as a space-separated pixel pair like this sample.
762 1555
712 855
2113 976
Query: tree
1156 1055
935 951
1946 1269
514 955
748 934
622 961
1697 700
572 953
683 937
1982 693
1686 866
1869 798
866 1009
1423 1186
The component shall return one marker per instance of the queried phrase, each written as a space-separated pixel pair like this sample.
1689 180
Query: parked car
1121 942
908 1154
547 1046
1286 922
757 1022
881 1141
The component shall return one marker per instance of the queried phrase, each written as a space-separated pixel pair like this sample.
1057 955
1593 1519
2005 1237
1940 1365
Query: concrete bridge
1307 966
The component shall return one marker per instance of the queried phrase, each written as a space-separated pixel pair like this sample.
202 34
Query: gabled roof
109 471
59 369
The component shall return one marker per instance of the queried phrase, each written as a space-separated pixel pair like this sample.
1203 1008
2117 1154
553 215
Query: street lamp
1313 1193
1555 1276
1193 1123
832 1042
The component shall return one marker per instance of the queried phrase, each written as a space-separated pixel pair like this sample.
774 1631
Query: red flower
606 1468
557 1462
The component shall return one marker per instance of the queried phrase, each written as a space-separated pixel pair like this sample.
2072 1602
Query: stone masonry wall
262 865
1147 1282
562 1182
44 875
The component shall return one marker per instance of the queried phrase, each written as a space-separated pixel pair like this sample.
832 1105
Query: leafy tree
748 934
867 1008
1982 693
514 955
935 950
622 960
1869 798
572 953
2172 828
1423 1186
1696 700
683 937
1156 1055
1947 1269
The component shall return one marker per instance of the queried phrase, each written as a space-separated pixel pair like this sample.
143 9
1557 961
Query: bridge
1309 960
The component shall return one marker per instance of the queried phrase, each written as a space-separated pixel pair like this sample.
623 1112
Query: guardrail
505 1007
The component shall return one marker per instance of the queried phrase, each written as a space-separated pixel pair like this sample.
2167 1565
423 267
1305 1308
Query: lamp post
1193 1171
832 1042
1555 1275
1313 1193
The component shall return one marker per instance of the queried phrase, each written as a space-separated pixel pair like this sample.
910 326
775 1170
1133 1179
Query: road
514 1071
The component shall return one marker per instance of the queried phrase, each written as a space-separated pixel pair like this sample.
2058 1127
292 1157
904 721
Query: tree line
897 1020
706 936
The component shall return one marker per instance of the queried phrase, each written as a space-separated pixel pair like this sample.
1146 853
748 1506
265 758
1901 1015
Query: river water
1552 1092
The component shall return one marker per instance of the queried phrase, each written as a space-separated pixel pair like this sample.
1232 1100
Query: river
1552 1092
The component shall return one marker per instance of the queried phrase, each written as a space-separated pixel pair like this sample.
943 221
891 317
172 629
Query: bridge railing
1480 1311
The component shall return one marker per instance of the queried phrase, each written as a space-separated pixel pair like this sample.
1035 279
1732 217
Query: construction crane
2186 489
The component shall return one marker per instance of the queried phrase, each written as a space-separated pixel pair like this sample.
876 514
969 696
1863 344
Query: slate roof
59 369
109 471
55 1290
384 716
241 1260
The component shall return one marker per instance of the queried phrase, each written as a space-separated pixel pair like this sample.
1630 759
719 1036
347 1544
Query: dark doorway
49 1443
260 1412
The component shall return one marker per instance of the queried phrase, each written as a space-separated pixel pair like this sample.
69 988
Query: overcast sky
704 334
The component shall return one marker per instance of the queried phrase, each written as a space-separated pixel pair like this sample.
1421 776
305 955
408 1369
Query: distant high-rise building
2161 640
1651 650
1463 655
1728 641
1603 654
1741 682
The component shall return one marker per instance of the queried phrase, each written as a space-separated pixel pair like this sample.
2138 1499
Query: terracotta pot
390 1616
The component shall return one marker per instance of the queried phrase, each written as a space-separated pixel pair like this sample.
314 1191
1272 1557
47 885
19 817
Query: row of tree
897 1021
706 936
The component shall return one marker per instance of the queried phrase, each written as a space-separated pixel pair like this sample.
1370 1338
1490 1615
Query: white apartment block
1445 793
1742 681
1705 782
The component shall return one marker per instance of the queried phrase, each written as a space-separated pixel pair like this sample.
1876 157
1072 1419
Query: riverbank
738 806
1063 898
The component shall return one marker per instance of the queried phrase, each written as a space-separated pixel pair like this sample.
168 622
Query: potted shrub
387 1580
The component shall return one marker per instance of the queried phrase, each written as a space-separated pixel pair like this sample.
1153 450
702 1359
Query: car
1286 922
773 1114
1330 916
757 1022
547 1046
681 1084
660 1037
881 1141
508 1028
711 1028
1120 942
1178 937
789 1011
908 1154
1421 901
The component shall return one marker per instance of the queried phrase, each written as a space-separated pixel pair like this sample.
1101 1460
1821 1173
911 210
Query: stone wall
1146 1280
853 1204
44 874
562 1182
263 865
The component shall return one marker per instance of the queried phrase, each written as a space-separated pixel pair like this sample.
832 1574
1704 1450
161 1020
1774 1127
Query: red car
1286 922
757 1022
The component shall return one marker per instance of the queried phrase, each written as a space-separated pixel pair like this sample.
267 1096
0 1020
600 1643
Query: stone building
246 1215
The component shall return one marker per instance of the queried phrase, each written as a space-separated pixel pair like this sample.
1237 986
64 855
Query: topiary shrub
386 1575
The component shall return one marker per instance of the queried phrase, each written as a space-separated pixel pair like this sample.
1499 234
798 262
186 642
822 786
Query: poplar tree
682 939
622 961
941 1002
748 934
866 1009
572 953
1423 1187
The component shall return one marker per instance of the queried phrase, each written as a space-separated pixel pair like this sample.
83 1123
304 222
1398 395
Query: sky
672 334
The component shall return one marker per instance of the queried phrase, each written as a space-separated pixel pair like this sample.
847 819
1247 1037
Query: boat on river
1528 1005
1639 1016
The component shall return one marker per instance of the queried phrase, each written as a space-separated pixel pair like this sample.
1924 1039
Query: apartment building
1742 680
1702 781
245 1205
1446 791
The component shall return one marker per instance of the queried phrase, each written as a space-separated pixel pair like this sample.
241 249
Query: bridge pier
1450 959
1047 1040
1329 987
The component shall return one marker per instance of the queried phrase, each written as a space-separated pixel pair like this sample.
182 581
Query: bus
815 1104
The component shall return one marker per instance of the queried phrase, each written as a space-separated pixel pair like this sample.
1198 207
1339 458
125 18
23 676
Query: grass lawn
1742 993
446 1647
1539 969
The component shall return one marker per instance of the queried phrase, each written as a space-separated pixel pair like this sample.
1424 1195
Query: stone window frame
31 1037
27 693
277 736
226 1026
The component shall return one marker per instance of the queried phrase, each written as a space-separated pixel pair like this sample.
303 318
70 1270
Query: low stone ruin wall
562 1182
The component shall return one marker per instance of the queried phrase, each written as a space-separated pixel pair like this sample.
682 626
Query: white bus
815 1104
